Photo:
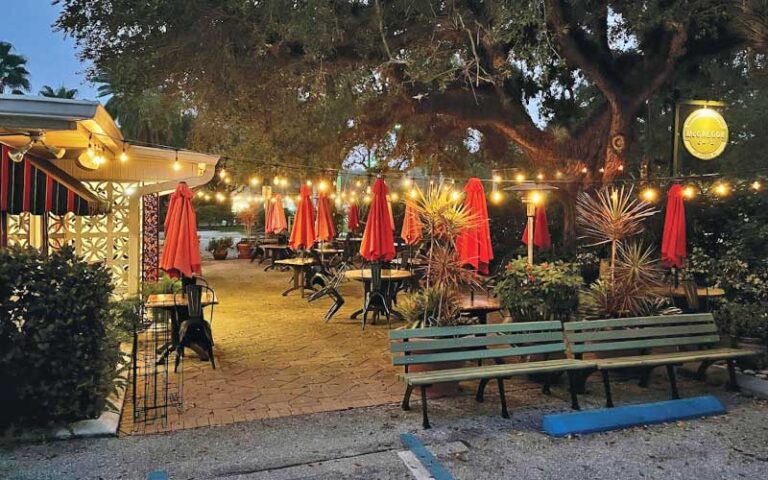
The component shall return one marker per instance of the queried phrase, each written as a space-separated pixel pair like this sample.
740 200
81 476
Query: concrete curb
105 426
718 375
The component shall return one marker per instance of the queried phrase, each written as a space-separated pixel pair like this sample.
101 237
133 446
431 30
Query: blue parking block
158 475
605 419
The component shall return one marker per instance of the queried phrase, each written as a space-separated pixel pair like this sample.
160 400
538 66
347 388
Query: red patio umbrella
269 211
378 240
353 218
181 251
276 221
412 226
541 237
673 250
474 243
326 231
303 233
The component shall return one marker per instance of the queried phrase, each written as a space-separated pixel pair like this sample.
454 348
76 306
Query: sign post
704 132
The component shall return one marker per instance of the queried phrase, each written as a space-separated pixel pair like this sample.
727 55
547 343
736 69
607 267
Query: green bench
478 343
684 338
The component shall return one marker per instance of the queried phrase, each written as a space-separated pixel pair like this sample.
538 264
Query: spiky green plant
430 307
611 216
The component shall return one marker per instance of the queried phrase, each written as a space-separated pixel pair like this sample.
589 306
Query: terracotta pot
243 250
220 255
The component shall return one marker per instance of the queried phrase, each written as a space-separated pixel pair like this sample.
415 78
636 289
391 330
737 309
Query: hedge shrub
59 345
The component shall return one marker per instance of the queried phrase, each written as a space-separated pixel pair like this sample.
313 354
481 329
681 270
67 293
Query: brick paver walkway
276 357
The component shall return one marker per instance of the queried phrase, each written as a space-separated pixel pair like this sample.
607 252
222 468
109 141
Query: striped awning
37 186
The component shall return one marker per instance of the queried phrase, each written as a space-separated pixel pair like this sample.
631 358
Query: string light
558 174
276 181
540 176
255 181
621 168
455 195
322 186
309 183
222 173
536 197
367 198
407 182
584 170
414 193
756 186
90 152
722 189
123 155
207 198
519 178
283 182
649 194
394 196
200 194
689 192
497 197
220 197
496 178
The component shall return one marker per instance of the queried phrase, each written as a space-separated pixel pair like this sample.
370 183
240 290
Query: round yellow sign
705 134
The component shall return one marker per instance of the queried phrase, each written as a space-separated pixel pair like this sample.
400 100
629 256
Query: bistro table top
679 291
413 261
479 303
296 262
361 275
165 300
328 250
276 247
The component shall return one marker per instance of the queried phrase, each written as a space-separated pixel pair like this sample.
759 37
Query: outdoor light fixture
649 194
177 165
123 155
689 192
532 194
18 154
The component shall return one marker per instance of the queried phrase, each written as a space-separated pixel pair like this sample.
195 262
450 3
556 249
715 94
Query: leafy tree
13 71
555 85
61 92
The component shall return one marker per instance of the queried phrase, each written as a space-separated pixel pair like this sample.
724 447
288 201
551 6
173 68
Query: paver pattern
276 357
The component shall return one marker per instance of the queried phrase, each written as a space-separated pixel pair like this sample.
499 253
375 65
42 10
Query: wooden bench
686 338
476 343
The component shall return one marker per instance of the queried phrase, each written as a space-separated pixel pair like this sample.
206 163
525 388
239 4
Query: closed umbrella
268 211
673 250
325 228
353 218
474 243
303 233
412 226
277 221
378 240
181 251
541 237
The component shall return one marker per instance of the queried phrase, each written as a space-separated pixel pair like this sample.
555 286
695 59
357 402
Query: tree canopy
61 92
13 70
553 84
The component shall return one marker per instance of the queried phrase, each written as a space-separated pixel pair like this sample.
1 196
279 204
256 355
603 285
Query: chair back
405 259
376 277
339 277
194 294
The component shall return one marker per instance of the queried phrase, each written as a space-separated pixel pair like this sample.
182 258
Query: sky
51 57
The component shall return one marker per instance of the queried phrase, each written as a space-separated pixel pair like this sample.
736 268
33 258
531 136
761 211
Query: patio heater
532 194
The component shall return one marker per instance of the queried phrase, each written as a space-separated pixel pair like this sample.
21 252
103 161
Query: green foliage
61 92
743 319
432 307
59 344
219 244
13 70
542 291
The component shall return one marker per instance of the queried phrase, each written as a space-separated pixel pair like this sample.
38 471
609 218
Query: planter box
220 255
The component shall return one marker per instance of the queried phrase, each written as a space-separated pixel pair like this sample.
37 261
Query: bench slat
478 373
648 343
638 321
478 354
467 342
677 357
585 336
475 329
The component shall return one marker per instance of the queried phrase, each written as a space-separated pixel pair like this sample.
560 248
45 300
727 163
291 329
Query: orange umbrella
326 231
303 233
474 243
353 219
541 237
673 250
269 211
277 222
378 240
181 251
412 225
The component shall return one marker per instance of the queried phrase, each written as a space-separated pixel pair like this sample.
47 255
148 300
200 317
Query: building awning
74 125
38 186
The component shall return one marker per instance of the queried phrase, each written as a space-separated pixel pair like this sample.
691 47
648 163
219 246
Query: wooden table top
296 262
361 275
165 300
276 247
669 291
328 250
481 302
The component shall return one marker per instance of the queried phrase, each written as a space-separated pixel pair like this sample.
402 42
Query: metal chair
195 331
692 300
331 289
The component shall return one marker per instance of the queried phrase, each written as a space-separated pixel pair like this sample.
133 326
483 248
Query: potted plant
437 303
219 247
248 218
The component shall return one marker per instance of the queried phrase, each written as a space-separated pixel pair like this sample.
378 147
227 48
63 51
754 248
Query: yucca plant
443 217
431 307
611 216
